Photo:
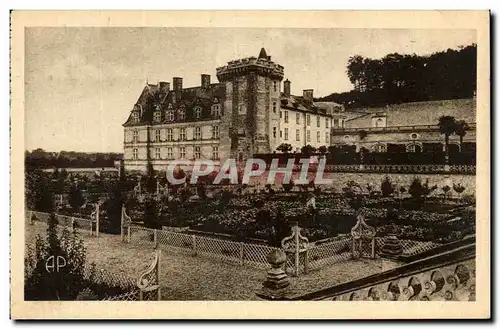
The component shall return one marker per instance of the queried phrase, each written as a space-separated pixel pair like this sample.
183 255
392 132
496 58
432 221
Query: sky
82 83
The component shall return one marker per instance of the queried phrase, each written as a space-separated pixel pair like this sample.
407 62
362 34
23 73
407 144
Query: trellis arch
379 147
412 146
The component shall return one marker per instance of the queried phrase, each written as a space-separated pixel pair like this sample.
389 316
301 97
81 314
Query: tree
75 198
150 178
396 78
44 280
322 150
362 134
113 208
446 190
308 150
151 216
386 187
458 188
420 191
461 130
285 148
447 126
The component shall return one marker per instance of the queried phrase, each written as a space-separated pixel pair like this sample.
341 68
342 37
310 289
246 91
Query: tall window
308 136
275 86
157 135
182 134
157 116
182 152
286 116
215 132
281 114
274 107
327 137
170 115
308 119
274 132
197 112
170 134
297 135
135 154
281 133
318 137
197 133
286 134
334 122
157 153
215 152
135 136
297 118
170 153
327 123
318 121
182 114
197 152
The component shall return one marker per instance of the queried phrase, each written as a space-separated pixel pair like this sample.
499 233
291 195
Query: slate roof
298 103
152 99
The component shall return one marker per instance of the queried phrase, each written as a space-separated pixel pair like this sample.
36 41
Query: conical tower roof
263 53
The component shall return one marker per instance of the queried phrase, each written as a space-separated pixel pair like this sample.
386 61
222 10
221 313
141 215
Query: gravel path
185 277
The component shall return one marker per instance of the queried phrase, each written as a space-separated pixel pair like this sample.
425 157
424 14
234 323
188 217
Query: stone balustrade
446 275
453 282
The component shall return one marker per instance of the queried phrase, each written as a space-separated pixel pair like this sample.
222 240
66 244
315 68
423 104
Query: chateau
245 113
248 112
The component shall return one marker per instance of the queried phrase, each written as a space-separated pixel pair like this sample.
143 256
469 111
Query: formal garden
417 212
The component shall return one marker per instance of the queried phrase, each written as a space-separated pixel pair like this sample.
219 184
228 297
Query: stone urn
276 277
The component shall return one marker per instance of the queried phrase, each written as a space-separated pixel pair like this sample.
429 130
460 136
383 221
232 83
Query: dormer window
170 115
157 116
215 110
135 117
182 114
197 112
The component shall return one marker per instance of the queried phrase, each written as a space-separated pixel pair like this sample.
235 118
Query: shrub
446 190
288 187
60 283
458 188
386 187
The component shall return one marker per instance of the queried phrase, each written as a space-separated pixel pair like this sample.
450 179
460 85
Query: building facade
409 127
245 113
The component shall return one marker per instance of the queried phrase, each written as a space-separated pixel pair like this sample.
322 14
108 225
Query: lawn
184 277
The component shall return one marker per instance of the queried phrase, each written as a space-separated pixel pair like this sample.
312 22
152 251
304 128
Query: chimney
164 87
308 95
177 84
205 81
177 89
287 88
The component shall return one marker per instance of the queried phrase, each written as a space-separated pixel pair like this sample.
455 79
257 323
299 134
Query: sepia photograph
257 164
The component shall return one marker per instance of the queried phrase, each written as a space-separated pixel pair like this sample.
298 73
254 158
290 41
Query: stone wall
340 180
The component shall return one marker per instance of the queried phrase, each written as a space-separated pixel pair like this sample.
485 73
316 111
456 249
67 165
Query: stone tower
251 107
